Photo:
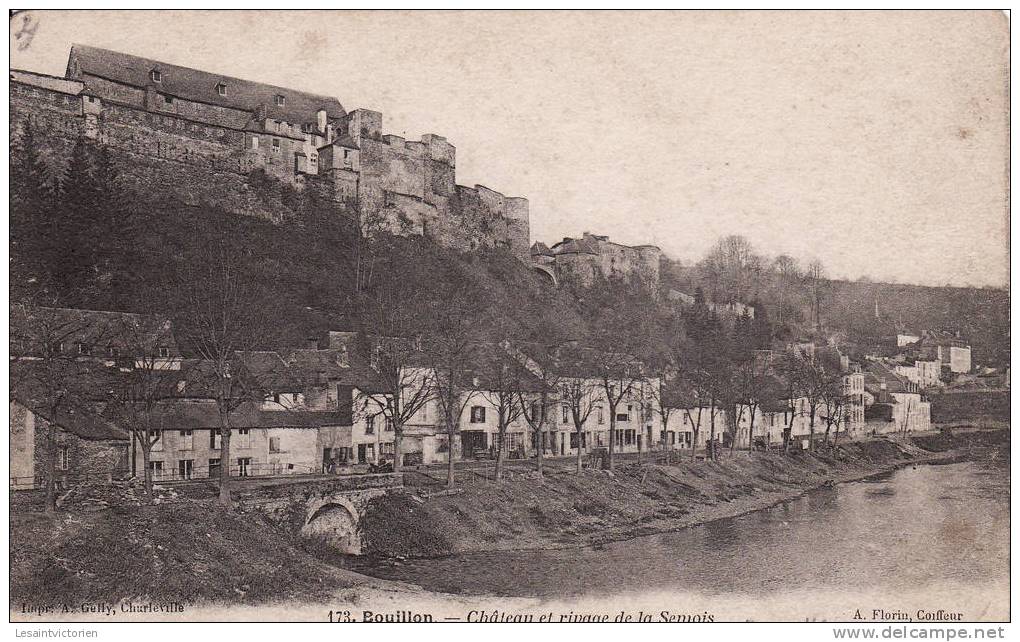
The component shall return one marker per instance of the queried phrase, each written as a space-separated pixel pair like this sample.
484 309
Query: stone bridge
325 508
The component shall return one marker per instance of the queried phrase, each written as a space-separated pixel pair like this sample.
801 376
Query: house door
361 454
243 464
471 442
184 468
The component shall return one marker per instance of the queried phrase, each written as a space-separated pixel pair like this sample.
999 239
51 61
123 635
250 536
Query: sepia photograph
491 316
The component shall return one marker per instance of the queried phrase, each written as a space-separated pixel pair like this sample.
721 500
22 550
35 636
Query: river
926 536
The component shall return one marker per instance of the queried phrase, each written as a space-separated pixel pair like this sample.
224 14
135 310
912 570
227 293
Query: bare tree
537 400
753 387
221 312
143 398
403 391
905 424
813 382
816 272
535 408
448 354
503 388
788 275
790 368
579 393
835 401
663 397
732 266
619 376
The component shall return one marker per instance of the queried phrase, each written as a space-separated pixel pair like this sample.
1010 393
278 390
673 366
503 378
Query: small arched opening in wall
337 523
546 273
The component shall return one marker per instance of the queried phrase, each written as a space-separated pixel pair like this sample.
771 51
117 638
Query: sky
876 142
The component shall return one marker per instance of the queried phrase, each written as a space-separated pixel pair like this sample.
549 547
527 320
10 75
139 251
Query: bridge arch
546 272
337 521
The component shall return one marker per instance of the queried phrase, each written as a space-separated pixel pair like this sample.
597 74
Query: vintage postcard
510 316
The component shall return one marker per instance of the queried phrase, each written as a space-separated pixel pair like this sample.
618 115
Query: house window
388 426
64 458
478 414
168 100
276 145
622 416
214 466
185 467
157 470
242 466
214 439
280 100
187 440
164 351
347 154
83 348
243 438
274 445
566 411
254 142
221 89
157 440
598 414
370 425
313 158
156 75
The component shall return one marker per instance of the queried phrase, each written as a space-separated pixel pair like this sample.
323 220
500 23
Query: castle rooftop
199 86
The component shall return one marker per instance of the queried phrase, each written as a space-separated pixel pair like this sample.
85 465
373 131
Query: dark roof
79 422
576 361
875 374
486 361
203 415
576 246
85 425
100 330
540 248
345 140
200 86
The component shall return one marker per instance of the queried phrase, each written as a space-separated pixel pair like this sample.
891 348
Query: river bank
564 509
241 566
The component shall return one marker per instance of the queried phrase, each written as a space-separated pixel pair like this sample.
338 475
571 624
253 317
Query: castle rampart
196 136
584 259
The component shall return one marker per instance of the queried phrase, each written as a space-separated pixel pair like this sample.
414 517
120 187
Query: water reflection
905 529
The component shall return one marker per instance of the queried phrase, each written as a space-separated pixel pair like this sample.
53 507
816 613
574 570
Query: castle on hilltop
584 259
198 137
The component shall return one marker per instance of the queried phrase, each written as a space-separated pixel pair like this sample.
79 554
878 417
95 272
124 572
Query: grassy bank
188 552
565 509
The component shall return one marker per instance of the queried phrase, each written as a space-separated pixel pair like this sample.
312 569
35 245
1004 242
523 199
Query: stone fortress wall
196 137
585 258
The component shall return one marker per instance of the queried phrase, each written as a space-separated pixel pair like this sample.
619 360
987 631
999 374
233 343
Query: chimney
320 120
339 340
